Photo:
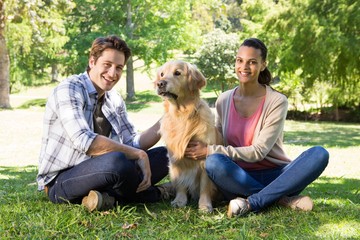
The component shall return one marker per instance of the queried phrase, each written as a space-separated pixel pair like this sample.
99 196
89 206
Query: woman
252 169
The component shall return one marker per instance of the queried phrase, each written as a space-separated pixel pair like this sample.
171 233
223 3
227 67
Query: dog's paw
206 208
179 202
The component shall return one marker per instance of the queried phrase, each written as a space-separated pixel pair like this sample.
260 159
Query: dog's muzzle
161 90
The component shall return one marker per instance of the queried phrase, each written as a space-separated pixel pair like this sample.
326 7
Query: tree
319 39
153 29
216 59
4 61
35 39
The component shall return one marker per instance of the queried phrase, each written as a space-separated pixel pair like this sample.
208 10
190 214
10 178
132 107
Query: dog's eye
177 73
161 74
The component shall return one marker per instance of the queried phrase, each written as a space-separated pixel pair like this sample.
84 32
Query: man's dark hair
100 44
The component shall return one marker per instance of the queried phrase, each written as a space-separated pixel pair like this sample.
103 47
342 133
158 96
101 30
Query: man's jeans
112 173
265 187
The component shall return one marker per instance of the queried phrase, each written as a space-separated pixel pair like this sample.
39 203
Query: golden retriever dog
186 118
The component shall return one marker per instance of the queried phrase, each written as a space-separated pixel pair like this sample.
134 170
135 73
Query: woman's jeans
264 187
112 173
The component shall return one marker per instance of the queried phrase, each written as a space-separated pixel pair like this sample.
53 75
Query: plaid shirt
68 125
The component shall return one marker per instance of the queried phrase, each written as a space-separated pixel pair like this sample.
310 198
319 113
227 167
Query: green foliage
293 87
319 38
216 59
152 30
311 43
36 39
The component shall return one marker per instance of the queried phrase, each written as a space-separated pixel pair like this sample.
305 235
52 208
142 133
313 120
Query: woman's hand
196 150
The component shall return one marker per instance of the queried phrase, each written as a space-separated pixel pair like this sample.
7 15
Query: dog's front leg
206 186
181 197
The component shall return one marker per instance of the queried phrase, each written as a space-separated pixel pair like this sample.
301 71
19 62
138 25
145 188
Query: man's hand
142 160
102 145
145 169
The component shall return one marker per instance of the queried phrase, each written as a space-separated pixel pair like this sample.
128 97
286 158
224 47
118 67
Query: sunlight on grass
329 134
6 177
342 230
28 214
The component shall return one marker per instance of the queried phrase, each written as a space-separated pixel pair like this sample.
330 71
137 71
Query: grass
27 213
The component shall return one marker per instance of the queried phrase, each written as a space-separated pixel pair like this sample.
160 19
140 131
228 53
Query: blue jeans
264 187
112 173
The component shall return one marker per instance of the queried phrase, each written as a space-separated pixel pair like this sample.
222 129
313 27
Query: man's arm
102 145
150 137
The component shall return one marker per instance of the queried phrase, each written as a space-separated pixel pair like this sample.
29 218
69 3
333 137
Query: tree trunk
337 116
54 73
4 62
130 90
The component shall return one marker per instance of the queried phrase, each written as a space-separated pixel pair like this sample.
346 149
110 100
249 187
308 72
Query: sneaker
167 190
303 203
98 201
238 207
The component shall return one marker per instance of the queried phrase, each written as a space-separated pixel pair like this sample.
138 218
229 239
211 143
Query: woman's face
248 64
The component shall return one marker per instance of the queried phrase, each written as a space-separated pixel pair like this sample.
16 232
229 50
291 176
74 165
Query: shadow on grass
39 102
17 183
336 188
142 100
26 212
17 180
340 135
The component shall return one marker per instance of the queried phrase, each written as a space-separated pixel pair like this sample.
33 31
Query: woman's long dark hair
265 75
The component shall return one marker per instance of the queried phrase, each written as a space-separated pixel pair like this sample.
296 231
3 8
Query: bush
216 59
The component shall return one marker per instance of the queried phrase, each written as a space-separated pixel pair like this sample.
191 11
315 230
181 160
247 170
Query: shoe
167 190
98 201
238 207
303 203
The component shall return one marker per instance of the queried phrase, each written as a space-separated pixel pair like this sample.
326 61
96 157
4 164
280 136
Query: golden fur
186 117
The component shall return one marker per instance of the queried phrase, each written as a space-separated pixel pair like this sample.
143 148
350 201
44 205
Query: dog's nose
161 84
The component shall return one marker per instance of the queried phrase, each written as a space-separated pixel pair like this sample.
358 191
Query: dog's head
178 80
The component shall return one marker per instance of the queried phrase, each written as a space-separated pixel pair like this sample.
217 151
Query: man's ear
91 61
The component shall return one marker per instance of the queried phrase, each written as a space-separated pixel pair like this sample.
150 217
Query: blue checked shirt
68 125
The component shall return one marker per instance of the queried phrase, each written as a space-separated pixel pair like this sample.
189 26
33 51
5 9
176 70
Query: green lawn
27 214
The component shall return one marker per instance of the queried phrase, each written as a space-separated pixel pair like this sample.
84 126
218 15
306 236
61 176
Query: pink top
240 133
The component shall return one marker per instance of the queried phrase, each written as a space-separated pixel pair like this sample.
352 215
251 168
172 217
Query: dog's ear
196 78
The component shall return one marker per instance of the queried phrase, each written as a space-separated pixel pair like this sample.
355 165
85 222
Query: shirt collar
89 84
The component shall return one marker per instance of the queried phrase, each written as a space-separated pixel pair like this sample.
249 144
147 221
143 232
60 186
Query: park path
21 132
21 129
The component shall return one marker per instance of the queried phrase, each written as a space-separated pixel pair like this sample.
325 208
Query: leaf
129 226
152 214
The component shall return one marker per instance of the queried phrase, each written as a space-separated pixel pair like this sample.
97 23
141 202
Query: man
90 151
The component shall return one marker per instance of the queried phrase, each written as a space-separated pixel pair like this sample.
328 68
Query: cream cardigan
268 136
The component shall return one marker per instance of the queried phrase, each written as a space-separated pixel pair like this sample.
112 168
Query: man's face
107 70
